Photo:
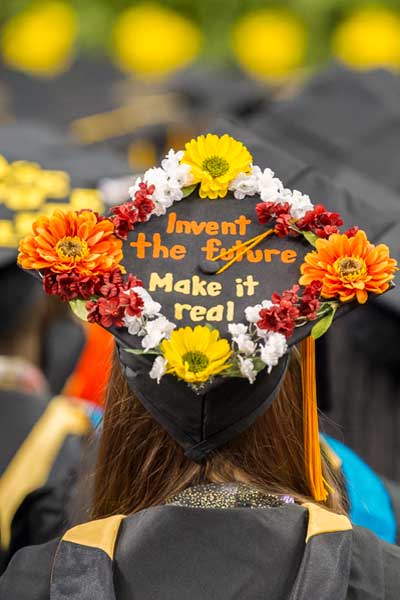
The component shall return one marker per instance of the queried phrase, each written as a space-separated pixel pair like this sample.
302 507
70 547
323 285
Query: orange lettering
242 221
212 228
171 223
213 246
177 252
141 245
268 254
289 256
228 228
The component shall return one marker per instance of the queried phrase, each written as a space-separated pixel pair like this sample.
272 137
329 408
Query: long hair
139 465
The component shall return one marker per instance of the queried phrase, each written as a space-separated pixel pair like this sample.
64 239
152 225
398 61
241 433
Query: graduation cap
227 269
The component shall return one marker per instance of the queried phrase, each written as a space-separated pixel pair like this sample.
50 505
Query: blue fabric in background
370 504
96 417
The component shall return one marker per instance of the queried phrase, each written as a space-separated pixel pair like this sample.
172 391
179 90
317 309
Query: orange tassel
312 449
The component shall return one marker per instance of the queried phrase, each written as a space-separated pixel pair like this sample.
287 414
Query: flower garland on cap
78 255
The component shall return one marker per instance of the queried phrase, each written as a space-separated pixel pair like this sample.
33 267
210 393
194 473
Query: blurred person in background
210 480
41 435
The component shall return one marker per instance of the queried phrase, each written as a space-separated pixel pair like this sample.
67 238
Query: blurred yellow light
369 37
269 43
153 41
40 39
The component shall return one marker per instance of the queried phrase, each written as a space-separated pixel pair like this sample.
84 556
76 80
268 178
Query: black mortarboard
220 264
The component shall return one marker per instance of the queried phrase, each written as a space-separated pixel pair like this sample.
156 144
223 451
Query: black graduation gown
41 441
210 550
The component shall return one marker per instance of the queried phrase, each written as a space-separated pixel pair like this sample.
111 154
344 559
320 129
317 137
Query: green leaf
188 190
323 324
78 307
310 237
233 371
259 365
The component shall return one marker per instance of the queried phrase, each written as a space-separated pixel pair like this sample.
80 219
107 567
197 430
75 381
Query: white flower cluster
168 180
270 349
270 189
273 348
241 337
151 325
159 368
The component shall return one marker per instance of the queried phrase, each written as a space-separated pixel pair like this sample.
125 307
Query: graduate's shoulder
29 572
375 566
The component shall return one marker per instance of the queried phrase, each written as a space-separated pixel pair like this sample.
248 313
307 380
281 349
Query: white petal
158 369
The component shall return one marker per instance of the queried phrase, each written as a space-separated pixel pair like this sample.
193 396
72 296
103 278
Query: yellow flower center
350 268
197 361
215 165
72 247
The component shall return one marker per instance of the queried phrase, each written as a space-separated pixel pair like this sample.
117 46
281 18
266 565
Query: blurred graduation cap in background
99 106
39 171
347 124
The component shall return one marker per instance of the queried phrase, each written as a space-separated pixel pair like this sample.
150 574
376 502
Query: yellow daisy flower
215 162
196 355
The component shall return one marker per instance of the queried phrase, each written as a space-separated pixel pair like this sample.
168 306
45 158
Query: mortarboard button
209 267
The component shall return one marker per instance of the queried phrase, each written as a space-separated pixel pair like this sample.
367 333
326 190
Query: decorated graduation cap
207 278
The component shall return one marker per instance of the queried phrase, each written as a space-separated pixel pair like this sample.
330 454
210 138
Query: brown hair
140 465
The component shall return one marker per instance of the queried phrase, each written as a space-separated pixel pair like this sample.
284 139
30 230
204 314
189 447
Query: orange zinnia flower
71 241
349 267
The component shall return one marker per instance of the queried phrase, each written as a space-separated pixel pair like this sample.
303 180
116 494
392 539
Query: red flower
134 303
117 300
108 312
320 221
70 286
289 295
280 318
352 231
131 282
110 284
87 287
142 202
282 225
309 302
271 210
50 284
124 219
